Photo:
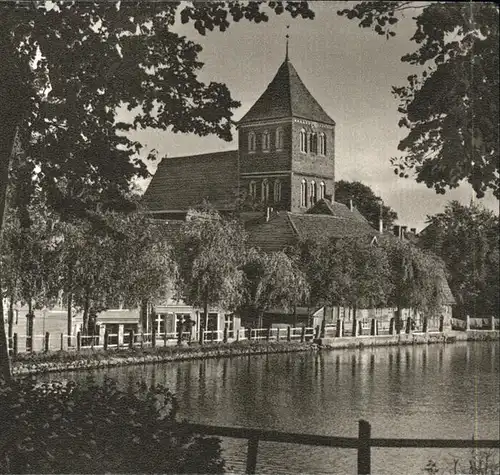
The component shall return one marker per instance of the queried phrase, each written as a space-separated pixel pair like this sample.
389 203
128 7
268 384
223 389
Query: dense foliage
466 239
364 199
450 105
98 428
208 254
346 272
271 281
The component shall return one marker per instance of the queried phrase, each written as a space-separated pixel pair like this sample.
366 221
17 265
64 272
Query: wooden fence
362 444
131 339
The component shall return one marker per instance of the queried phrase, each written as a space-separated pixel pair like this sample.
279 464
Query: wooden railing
363 443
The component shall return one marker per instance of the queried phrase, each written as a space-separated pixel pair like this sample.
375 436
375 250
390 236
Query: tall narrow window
313 142
252 143
303 141
252 189
280 138
265 191
266 141
322 144
303 194
312 193
321 194
277 191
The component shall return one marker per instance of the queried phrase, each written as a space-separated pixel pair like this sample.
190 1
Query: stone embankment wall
27 364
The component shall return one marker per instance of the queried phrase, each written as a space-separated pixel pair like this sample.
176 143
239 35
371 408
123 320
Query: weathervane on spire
287 38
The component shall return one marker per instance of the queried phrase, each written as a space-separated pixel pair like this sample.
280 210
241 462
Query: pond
435 391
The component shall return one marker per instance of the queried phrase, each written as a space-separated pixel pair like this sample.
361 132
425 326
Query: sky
349 70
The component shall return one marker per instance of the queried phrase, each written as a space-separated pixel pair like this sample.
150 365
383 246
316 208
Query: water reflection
418 391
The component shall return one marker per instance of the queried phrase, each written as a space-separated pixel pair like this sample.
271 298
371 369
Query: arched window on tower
266 141
322 144
321 193
280 138
265 191
252 190
252 142
312 193
303 141
277 191
313 142
303 193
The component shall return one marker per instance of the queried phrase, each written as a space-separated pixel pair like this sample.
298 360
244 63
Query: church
280 181
285 160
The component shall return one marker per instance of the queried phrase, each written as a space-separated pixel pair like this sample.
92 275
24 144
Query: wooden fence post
289 333
492 322
355 326
392 326
278 334
46 342
78 341
467 323
238 334
317 332
373 327
426 325
106 338
153 334
253 446
14 344
303 334
62 341
323 328
364 455
268 334
441 323
225 334
131 337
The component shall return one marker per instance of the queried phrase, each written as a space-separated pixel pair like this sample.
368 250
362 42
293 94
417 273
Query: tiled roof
287 96
183 182
316 226
340 210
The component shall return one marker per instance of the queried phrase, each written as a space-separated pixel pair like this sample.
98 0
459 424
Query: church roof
324 206
287 96
180 183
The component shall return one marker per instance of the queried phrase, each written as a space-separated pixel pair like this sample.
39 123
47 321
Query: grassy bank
32 363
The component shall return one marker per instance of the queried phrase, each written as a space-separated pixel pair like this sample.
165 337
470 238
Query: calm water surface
436 391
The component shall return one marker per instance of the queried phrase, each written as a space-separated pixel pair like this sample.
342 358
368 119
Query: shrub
70 428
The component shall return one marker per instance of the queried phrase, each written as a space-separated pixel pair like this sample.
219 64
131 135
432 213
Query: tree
369 205
417 278
450 106
271 280
466 239
208 254
68 68
347 272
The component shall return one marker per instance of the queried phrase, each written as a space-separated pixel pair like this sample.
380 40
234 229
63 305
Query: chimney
351 205
403 231
413 231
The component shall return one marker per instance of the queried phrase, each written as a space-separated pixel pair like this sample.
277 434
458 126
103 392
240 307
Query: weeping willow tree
418 278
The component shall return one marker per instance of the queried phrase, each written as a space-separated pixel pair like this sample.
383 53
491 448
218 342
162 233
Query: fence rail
363 443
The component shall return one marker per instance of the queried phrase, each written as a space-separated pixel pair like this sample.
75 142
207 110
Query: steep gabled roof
286 96
183 182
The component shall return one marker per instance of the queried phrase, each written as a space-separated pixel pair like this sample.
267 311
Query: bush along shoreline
88 359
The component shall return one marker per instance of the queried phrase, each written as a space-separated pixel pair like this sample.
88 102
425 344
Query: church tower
286 147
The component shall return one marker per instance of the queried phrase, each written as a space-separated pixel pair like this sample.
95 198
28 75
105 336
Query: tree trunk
70 315
86 308
11 320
